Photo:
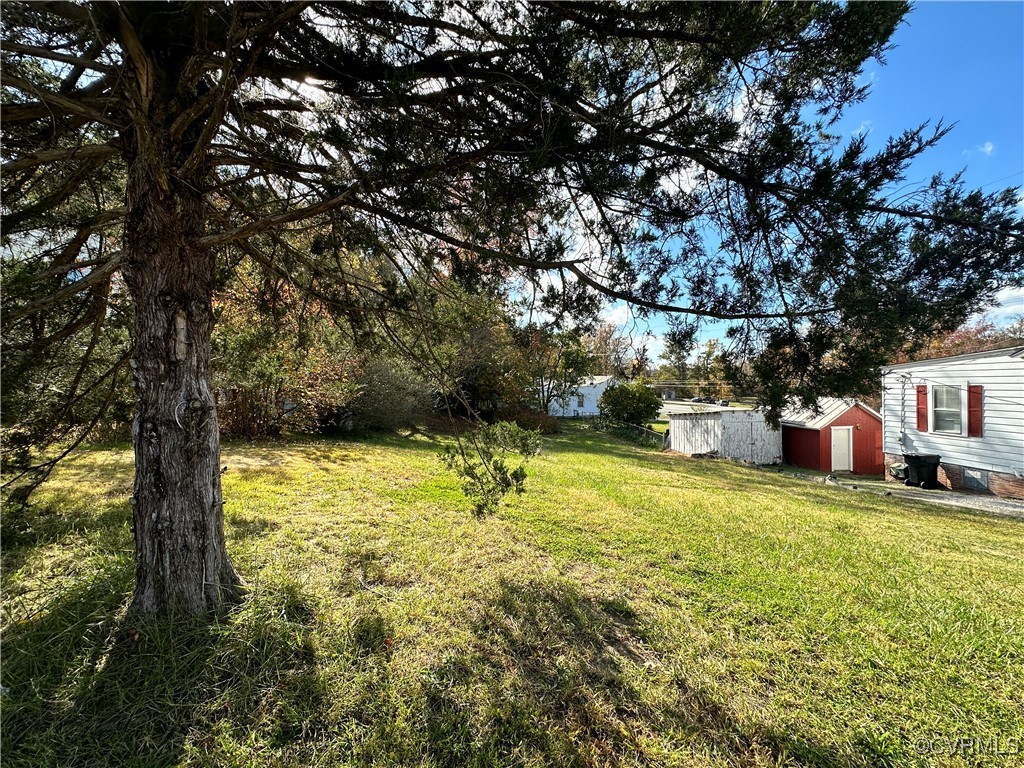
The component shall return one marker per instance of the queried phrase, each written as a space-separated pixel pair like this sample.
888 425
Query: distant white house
967 409
735 433
583 401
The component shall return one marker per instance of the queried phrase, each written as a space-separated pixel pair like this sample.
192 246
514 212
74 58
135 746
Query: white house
731 432
582 402
968 409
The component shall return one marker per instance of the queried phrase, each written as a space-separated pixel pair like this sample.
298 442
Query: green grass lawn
632 608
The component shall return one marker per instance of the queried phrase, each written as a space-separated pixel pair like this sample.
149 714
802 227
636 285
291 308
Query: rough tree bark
181 560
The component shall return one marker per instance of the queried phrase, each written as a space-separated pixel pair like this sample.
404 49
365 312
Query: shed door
842 449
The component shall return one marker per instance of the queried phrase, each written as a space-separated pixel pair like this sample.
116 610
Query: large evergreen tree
675 155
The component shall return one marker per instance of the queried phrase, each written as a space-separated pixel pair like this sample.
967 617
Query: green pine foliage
537 149
388 160
482 459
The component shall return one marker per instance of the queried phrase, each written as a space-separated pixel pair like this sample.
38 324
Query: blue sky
962 62
959 61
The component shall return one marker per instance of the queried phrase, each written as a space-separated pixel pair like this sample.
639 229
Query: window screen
946 409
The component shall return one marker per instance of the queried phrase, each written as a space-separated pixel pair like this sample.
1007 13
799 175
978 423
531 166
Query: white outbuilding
582 401
733 433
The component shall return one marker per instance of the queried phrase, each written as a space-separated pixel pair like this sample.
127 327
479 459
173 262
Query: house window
946 410
581 401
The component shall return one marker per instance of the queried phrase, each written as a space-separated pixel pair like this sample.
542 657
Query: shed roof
711 410
831 408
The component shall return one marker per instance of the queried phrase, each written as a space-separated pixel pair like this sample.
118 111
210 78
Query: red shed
846 436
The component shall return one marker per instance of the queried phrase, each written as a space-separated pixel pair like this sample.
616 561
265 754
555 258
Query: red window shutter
922 408
974 393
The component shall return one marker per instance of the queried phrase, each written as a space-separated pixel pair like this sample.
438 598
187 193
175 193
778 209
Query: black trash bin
922 469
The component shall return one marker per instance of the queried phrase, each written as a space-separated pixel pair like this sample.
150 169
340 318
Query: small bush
444 424
249 413
391 396
480 459
641 437
634 403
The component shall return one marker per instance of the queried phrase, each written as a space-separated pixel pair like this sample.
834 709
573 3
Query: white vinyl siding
582 402
1001 446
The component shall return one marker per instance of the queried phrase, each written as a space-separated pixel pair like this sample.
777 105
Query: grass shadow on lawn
60 518
547 672
529 667
571 680
242 527
81 680
89 684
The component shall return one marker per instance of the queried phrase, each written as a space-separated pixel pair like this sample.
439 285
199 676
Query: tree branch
46 53
35 159
780 190
50 104
95 277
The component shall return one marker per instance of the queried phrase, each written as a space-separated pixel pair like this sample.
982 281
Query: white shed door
842 449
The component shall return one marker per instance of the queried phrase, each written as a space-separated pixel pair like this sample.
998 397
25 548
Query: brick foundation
951 477
1007 486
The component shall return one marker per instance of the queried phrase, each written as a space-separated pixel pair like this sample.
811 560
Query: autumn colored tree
978 335
609 348
282 363
555 362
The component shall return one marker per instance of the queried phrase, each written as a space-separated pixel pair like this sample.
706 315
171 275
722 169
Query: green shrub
480 459
634 403
640 436
391 396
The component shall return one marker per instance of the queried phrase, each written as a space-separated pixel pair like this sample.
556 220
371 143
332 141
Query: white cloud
987 149
868 78
617 314
1009 305
685 180
865 127
655 347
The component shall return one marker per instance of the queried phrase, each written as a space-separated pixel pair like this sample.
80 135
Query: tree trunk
181 563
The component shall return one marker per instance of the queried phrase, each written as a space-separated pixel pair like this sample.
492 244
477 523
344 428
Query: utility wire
990 183
909 378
